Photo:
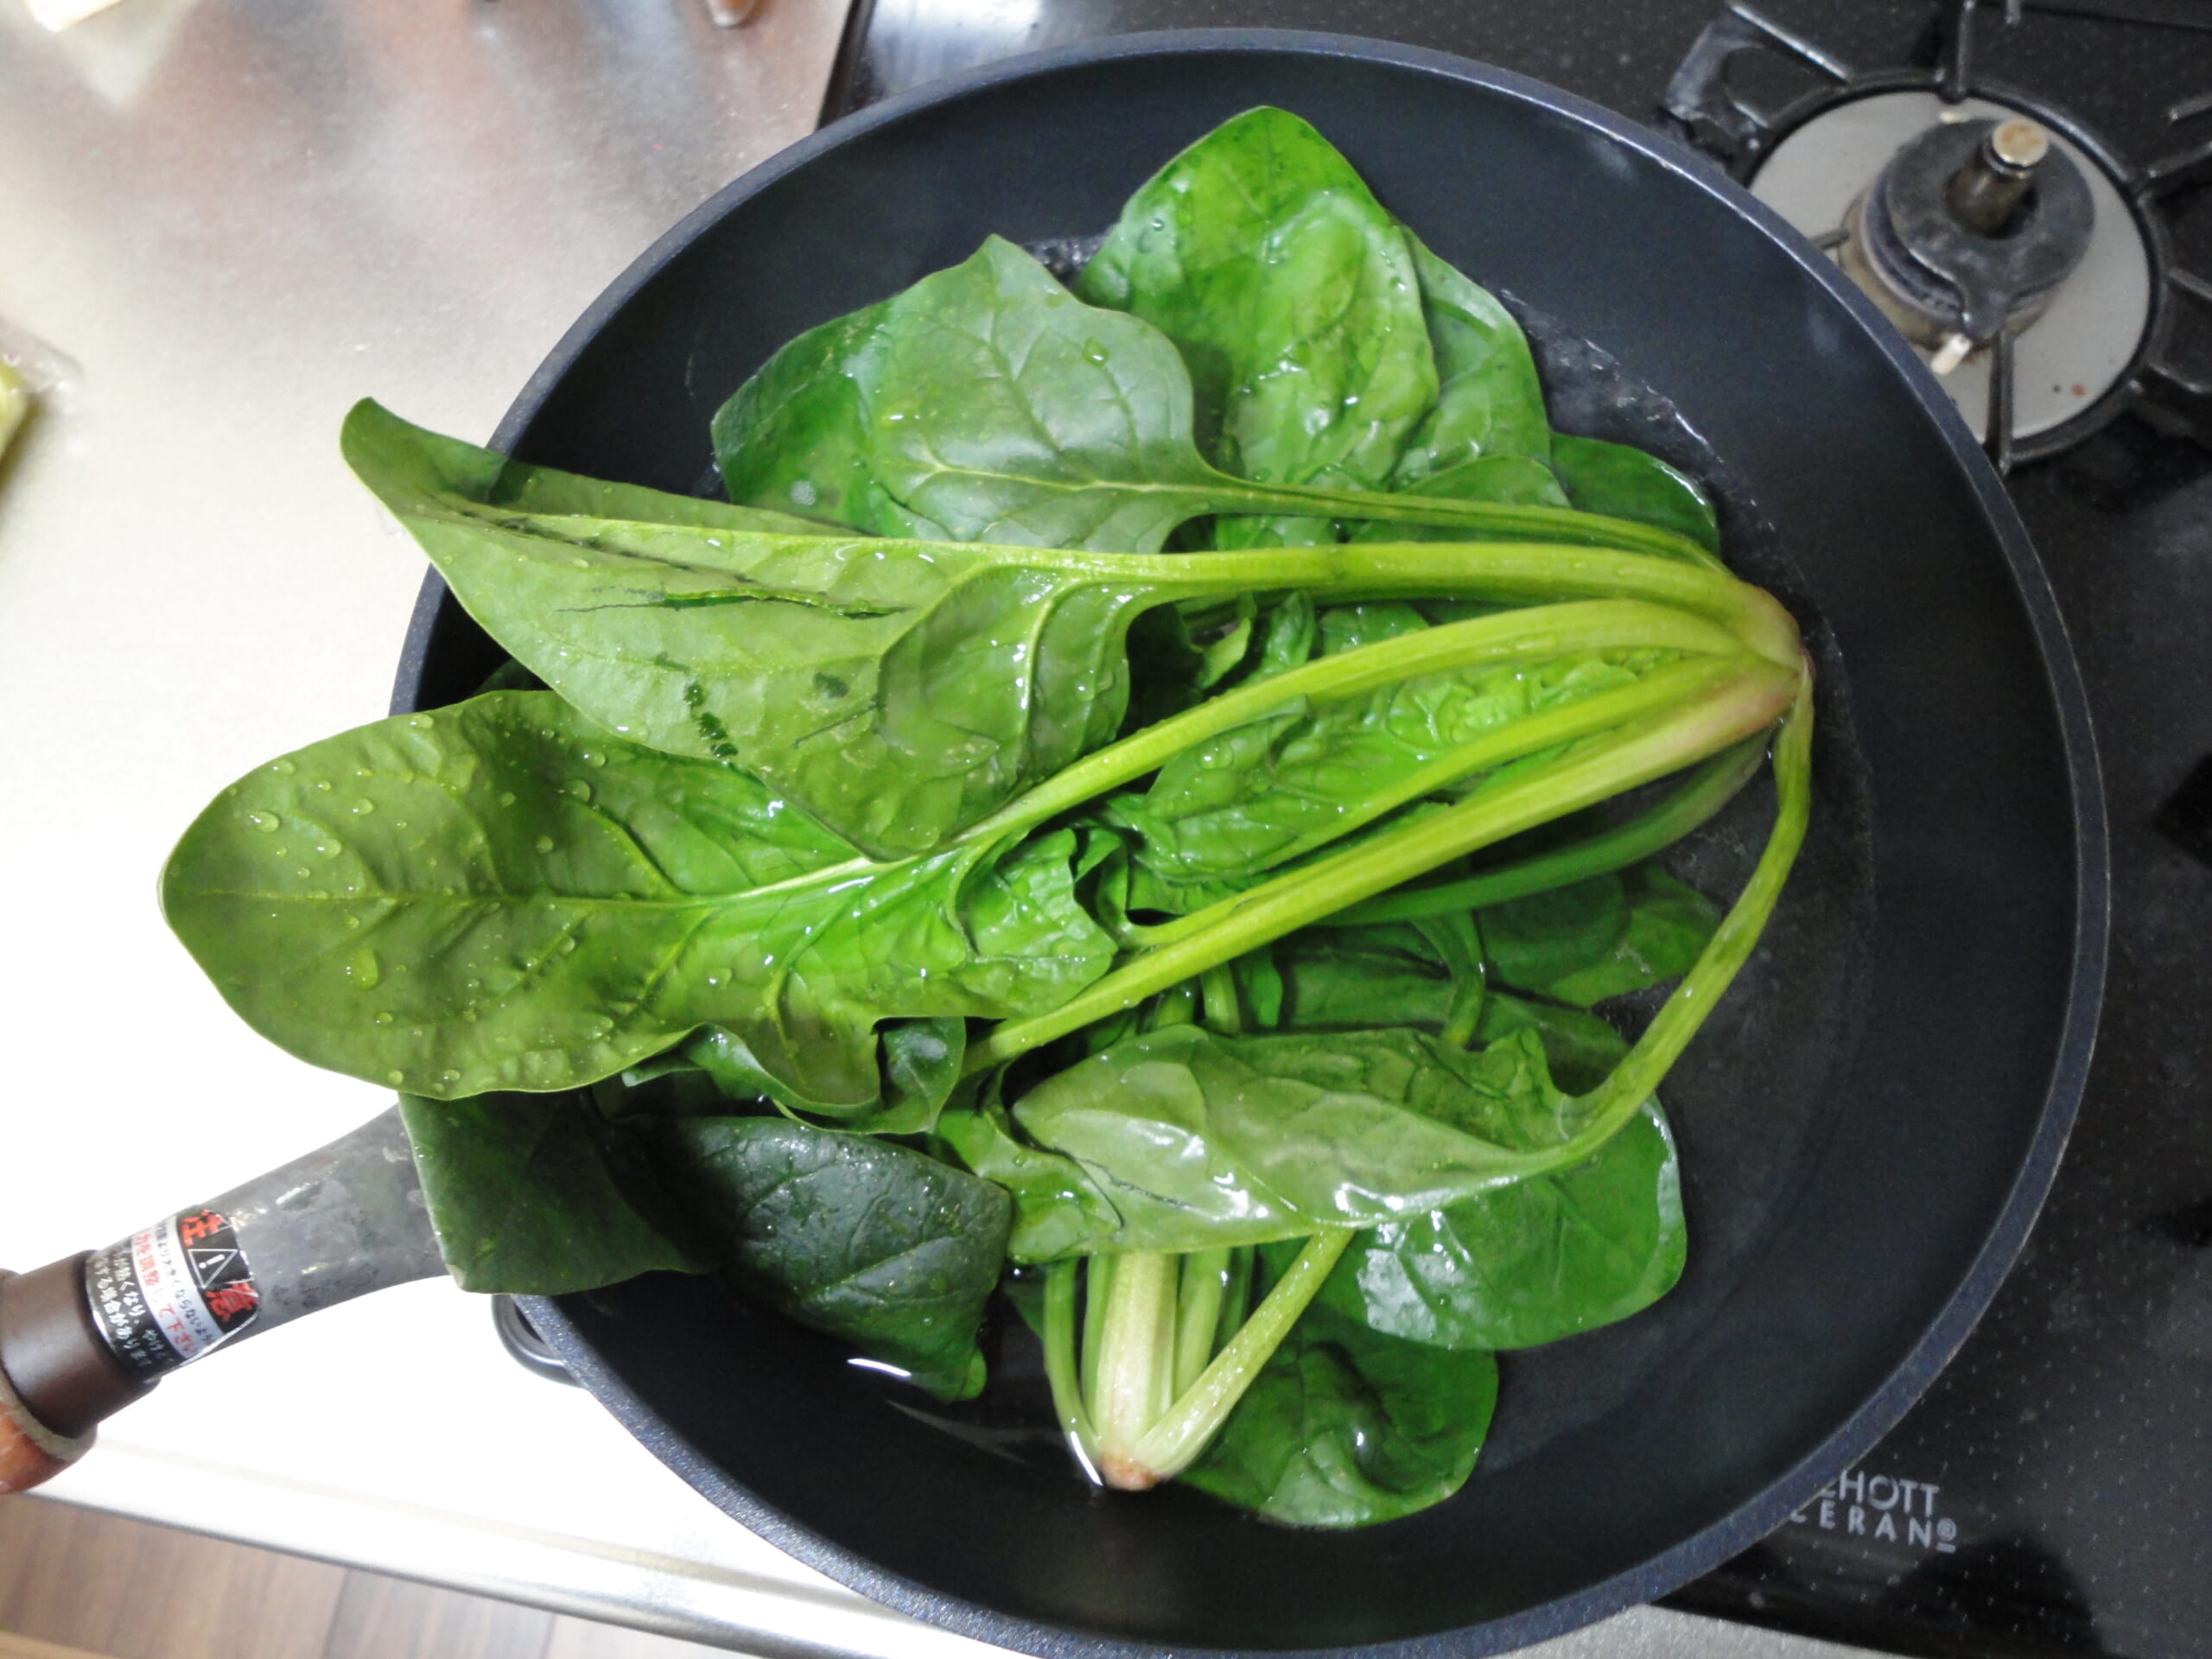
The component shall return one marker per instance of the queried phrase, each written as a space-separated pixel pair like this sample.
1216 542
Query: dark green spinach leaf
1531 1263
791 437
1604 936
538 1195
1626 483
919 1058
871 1241
1490 402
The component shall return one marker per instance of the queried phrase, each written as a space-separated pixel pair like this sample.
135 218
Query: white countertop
220 223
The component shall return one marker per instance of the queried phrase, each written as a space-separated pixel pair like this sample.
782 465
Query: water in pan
1751 1098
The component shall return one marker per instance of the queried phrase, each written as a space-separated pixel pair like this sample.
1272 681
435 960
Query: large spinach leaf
898 694
1344 1428
995 407
538 1195
898 691
869 1240
502 895
1291 296
1199 1140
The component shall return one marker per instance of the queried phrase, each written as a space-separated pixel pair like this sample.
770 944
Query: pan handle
82 1337
49 1355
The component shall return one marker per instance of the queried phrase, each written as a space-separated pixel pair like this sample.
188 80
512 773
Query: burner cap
2095 307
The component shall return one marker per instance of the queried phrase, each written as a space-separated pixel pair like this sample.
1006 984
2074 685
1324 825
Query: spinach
1291 296
920 1062
867 1240
1199 1140
1625 483
995 407
791 438
1275 868
1344 1426
501 895
899 691
538 1195
1267 792
1531 1262
1058 1211
1490 404
1602 938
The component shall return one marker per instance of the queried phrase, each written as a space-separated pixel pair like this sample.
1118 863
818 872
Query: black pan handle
82 1337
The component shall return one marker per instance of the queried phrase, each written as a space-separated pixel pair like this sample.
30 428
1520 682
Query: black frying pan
1869 1124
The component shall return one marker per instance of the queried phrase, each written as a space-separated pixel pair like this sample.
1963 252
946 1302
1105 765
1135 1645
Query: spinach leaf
1601 938
791 438
536 1195
920 1065
1624 482
1200 1140
501 895
1058 1211
1001 410
1529 1263
897 695
868 1241
995 407
1346 1427
898 691
409 461
1293 298
1490 404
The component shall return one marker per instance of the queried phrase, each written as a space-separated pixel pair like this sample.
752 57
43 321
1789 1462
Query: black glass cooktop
2053 1492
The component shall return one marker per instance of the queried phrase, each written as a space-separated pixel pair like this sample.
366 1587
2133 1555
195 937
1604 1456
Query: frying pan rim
1766 1509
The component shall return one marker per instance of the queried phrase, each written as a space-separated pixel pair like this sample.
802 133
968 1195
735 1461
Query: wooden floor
78 1585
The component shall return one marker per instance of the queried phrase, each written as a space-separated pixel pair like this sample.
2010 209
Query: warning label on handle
165 1296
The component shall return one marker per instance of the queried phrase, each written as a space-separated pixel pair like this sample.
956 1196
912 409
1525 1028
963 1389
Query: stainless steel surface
226 221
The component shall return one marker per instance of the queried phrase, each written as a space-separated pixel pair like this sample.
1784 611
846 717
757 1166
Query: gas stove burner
1970 228
2022 258
2074 329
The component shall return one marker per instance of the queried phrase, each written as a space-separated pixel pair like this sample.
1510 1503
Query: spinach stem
1468 991
1745 703
1527 522
1235 1296
1217 993
1614 1100
1136 1363
1098 1283
1197 1312
1176 1436
1711 787
1668 687
1061 1365
1514 636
